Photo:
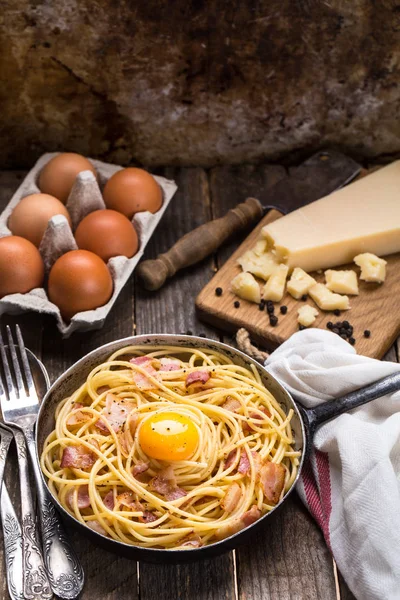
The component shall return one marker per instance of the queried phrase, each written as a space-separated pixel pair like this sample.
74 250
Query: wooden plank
171 310
289 559
107 576
375 308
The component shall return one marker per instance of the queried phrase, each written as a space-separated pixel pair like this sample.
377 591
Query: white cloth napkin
352 483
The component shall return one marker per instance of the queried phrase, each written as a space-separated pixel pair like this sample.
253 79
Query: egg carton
85 197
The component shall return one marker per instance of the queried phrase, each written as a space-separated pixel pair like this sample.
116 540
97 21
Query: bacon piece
143 382
140 467
256 417
244 463
108 500
102 389
77 417
169 364
232 497
164 483
127 499
82 500
192 542
175 494
231 404
115 413
197 378
141 360
133 421
251 516
95 525
148 517
258 462
248 518
272 477
78 457
230 459
125 441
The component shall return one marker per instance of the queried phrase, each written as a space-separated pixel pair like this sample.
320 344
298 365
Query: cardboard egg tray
85 197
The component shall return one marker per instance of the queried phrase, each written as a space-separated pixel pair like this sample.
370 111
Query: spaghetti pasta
172 448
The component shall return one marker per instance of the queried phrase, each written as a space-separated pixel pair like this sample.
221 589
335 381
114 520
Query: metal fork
20 410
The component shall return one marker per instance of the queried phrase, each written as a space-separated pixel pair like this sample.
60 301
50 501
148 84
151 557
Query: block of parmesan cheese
361 217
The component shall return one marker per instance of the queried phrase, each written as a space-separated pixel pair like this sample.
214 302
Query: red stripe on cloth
325 487
312 493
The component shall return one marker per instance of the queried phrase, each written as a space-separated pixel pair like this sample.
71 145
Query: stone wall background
184 82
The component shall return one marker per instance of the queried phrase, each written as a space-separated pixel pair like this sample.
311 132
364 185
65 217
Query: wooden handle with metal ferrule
199 243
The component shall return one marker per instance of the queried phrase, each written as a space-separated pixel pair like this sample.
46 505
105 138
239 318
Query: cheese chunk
275 286
363 216
260 247
372 267
342 282
245 286
327 300
260 264
299 283
307 315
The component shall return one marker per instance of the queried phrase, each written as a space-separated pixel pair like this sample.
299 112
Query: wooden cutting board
377 307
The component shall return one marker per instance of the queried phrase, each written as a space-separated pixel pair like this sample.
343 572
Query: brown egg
30 217
21 266
131 191
107 233
58 176
79 280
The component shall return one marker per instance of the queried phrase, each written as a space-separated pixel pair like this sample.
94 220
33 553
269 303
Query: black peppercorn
346 324
336 312
352 341
261 306
329 325
301 327
367 333
218 291
304 297
202 335
236 304
273 320
335 330
270 309
189 332
283 309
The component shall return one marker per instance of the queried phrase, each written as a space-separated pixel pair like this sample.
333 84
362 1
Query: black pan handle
314 417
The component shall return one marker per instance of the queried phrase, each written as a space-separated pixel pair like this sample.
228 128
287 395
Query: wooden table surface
287 560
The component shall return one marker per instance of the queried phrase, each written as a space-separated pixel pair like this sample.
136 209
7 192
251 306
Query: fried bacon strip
115 413
272 478
248 518
197 379
232 497
164 483
83 500
78 457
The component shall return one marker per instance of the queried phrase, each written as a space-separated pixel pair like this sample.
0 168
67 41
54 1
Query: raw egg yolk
168 436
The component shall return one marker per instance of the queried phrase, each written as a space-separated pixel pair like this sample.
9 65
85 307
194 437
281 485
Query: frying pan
304 424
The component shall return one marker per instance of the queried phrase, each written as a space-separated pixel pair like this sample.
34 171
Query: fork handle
63 567
12 538
36 582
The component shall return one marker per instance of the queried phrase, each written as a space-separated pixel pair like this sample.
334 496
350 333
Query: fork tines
17 385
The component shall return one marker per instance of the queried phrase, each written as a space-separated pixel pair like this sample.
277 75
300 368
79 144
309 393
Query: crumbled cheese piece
327 300
373 268
260 247
275 286
260 264
307 315
342 282
245 286
299 283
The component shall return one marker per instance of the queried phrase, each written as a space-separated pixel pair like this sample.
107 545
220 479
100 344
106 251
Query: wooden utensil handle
199 243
